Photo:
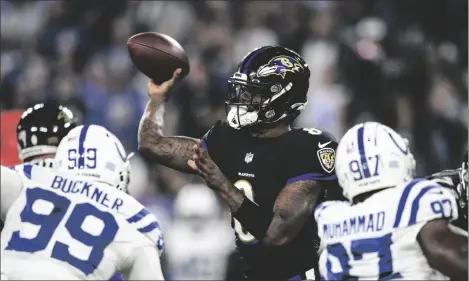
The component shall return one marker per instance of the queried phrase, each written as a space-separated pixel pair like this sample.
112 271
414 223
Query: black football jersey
261 167
452 179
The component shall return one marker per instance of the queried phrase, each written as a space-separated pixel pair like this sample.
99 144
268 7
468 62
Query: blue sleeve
423 201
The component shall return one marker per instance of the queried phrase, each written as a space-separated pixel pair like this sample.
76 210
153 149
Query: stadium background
403 63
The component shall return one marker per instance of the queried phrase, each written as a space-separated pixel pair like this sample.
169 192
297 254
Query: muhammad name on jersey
355 225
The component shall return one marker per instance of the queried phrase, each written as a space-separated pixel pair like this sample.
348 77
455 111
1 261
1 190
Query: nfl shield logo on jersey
248 158
327 158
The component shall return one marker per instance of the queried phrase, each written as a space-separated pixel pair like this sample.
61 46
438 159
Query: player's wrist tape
255 219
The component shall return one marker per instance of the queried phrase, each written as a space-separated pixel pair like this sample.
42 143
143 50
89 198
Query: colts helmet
93 152
372 156
270 84
41 128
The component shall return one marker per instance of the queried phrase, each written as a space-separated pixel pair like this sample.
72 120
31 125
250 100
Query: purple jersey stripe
295 278
204 144
312 176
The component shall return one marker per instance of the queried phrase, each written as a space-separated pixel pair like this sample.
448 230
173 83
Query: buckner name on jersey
62 225
68 185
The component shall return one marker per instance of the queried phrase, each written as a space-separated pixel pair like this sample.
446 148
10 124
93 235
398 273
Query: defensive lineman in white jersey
77 222
394 227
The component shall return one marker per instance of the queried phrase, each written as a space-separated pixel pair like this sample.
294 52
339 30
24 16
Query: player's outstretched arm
294 204
172 152
144 264
11 185
278 227
445 249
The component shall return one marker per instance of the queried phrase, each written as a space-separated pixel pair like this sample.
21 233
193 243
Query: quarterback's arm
172 152
11 185
445 249
292 208
144 264
278 226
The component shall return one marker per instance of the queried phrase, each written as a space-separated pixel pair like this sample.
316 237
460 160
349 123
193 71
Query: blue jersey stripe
81 148
415 204
403 201
361 151
138 216
27 170
312 176
148 228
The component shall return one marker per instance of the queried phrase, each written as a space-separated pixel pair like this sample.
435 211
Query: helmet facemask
251 103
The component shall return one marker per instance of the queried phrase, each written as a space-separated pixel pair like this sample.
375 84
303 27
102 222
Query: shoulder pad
423 200
319 133
320 209
219 125
447 178
147 224
24 170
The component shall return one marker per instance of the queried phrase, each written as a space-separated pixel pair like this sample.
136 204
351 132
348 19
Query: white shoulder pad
424 200
322 210
321 207
147 224
319 210
24 170
10 186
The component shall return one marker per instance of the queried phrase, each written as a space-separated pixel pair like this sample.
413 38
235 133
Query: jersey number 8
243 234
49 223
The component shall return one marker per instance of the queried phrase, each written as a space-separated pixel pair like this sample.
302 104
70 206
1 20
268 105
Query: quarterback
394 226
76 221
270 175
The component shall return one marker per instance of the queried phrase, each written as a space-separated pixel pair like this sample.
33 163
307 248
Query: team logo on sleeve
248 157
327 159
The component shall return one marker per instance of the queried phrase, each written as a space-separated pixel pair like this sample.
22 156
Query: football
157 55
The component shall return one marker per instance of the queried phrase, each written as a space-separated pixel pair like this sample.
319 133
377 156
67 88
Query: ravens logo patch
327 159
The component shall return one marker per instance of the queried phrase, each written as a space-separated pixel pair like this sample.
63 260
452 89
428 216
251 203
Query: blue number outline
74 158
49 223
380 245
357 169
441 210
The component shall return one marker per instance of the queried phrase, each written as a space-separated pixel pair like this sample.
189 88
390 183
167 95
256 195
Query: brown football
157 55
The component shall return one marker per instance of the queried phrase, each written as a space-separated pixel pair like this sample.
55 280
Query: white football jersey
61 226
377 239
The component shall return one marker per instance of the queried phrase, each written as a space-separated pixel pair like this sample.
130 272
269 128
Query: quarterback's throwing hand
206 168
159 92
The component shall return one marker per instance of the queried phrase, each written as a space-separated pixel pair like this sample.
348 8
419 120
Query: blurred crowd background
400 62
